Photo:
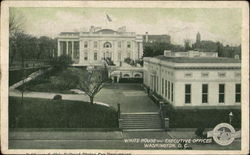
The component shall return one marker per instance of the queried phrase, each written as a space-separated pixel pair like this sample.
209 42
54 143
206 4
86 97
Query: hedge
205 118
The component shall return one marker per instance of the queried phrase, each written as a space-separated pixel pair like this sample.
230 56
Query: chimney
92 29
146 37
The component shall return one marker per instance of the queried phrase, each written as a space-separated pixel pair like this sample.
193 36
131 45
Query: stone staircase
146 121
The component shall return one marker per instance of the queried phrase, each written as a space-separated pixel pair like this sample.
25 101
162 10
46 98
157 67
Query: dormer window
107 45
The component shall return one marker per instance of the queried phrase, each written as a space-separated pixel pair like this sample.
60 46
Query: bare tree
16 28
187 44
92 82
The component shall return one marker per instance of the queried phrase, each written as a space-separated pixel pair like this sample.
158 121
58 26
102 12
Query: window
85 44
237 74
70 49
128 44
119 44
204 75
172 92
154 83
119 56
157 79
204 93
188 93
137 75
166 87
188 75
107 45
95 56
95 44
76 50
162 86
221 93
128 55
126 76
85 55
222 75
168 90
237 93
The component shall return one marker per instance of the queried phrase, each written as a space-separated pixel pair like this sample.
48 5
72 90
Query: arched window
126 75
137 75
107 45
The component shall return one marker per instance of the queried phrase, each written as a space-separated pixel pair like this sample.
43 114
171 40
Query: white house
194 78
90 48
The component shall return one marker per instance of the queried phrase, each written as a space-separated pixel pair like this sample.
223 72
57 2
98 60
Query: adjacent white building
90 48
194 78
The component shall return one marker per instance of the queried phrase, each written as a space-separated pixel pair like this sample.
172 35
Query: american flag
109 19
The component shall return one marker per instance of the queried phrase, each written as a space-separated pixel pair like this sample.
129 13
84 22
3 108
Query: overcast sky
222 25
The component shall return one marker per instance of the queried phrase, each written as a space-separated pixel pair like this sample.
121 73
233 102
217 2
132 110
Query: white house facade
91 48
194 78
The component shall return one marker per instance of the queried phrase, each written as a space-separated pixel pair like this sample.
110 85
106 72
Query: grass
45 113
16 75
54 81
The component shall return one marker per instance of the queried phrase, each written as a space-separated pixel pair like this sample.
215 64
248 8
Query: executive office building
194 78
92 47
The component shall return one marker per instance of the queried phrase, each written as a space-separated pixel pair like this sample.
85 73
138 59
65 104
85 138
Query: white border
125 4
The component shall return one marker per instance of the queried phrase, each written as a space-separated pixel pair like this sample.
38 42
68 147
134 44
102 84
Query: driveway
131 97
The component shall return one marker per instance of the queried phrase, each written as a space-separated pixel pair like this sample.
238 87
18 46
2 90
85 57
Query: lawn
54 81
16 75
46 113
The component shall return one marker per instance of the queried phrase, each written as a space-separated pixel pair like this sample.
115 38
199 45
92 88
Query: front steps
146 121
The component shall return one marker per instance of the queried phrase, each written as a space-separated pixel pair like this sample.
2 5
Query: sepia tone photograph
110 78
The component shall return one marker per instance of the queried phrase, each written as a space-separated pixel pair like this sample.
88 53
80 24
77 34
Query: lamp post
230 117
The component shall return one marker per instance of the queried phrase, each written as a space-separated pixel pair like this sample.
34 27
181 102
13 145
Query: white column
58 48
140 50
67 48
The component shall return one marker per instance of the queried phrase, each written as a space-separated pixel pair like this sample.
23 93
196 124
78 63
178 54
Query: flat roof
198 59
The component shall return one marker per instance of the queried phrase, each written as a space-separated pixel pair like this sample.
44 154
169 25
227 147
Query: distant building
92 47
198 38
194 78
156 38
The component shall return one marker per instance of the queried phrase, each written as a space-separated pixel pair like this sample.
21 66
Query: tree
187 44
155 48
61 62
92 81
16 29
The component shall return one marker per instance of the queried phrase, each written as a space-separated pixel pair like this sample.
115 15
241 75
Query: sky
216 24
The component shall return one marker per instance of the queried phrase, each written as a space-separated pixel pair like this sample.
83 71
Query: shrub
199 132
127 60
57 97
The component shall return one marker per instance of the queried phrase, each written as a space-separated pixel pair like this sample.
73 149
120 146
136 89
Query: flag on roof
109 19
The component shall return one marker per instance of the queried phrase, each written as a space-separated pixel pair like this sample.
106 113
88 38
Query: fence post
166 123
120 123
118 110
